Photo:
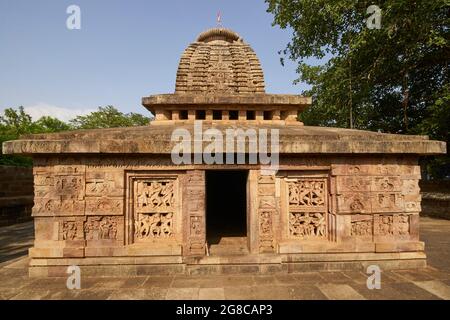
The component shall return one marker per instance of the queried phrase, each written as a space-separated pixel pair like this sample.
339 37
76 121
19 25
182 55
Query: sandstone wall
16 194
145 206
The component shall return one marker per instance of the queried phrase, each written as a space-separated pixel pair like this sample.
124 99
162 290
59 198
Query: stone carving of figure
319 224
308 224
167 193
166 224
104 227
266 223
155 229
69 230
293 194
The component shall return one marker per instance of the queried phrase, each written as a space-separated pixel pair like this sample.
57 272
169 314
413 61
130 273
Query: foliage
16 122
109 117
393 79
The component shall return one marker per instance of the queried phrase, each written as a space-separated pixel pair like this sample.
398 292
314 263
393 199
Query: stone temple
114 201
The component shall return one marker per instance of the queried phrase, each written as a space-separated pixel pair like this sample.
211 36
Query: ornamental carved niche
94 228
154 209
308 210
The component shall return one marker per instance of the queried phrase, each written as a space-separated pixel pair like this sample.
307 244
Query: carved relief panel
307 208
59 191
91 228
154 204
194 212
267 213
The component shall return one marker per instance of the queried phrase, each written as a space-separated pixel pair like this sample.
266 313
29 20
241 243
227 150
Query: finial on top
219 19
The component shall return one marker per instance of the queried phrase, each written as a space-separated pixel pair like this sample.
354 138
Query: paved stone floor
432 282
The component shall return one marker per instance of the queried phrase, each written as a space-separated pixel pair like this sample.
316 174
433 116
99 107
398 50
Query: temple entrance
226 211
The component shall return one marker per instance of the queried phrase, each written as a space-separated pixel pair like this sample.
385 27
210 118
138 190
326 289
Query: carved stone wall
377 202
194 212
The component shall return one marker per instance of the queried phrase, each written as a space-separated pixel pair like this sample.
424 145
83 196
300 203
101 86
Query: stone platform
432 282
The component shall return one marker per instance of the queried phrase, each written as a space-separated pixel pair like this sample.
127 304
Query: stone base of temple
237 264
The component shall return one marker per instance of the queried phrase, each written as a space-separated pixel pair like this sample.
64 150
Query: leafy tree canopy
392 79
109 117
16 122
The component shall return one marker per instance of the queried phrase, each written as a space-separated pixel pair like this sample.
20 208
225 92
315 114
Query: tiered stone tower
220 78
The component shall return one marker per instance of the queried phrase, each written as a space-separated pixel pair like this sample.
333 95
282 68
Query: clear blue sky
124 50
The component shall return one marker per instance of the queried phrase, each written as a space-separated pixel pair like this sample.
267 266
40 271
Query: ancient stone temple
117 201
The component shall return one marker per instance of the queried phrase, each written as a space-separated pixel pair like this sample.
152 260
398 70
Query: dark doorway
226 205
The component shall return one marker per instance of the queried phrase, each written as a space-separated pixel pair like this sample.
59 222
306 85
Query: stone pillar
259 115
194 213
267 213
225 115
176 115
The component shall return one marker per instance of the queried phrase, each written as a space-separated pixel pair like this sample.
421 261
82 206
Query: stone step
232 240
228 249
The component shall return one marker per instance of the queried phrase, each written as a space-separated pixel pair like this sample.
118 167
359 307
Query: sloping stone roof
219 62
157 140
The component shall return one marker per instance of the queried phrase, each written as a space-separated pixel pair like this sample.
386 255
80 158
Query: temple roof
219 61
293 139
220 82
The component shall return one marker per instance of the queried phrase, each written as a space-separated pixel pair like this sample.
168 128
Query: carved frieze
387 202
307 194
353 184
355 202
386 184
362 225
154 196
55 206
59 191
71 230
90 228
104 206
392 225
154 225
307 225
101 228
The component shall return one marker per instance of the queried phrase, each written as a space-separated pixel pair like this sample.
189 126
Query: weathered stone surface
113 202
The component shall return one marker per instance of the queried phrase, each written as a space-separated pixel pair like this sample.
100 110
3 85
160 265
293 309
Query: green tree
389 79
16 122
50 124
109 117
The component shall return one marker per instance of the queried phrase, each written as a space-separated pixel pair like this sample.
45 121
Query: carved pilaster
194 212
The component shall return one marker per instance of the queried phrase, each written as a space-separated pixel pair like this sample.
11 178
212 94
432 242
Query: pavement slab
432 282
